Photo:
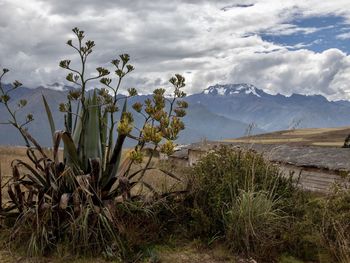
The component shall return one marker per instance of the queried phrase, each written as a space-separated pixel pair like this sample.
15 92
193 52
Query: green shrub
319 227
335 226
218 179
302 237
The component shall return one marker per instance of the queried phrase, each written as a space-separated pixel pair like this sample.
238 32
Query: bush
302 237
319 227
335 225
220 177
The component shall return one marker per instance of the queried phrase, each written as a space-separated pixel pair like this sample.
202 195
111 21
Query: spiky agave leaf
69 117
72 157
78 125
103 134
110 174
50 118
56 145
91 133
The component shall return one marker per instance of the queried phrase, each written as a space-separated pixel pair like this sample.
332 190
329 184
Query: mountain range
218 112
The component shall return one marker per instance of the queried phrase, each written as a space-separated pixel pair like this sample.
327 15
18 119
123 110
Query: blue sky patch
314 33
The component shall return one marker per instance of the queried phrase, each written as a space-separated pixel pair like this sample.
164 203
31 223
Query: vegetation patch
91 201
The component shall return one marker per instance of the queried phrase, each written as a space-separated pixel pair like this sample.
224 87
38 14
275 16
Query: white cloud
166 37
344 36
297 71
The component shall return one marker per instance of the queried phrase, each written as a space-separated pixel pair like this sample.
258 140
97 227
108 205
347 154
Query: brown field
327 137
155 178
7 155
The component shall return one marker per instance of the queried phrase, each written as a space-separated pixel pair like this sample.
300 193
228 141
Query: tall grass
254 223
335 225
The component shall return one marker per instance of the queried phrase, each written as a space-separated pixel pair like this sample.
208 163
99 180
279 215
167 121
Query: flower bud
167 148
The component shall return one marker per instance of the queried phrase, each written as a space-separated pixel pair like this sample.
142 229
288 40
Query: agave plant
75 198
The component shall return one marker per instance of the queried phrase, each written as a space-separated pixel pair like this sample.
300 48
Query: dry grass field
7 155
327 137
155 178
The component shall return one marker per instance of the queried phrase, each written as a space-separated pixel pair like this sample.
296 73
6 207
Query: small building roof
331 158
180 154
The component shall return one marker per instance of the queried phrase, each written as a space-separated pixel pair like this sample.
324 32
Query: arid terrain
328 137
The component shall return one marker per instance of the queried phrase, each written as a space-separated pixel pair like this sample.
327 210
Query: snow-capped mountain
233 89
219 112
59 86
246 103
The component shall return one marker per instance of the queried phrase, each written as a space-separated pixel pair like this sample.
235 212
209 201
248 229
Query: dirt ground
182 254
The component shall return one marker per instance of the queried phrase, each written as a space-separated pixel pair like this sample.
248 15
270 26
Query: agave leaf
69 117
72 157
38 177
91 132
76 117
110 175
56 144
50 176
18 192
95 166
36 144
30 197
110 143
75 134
103 134
76 130
12 196
35 180
78 125
81 137
32 156
50 118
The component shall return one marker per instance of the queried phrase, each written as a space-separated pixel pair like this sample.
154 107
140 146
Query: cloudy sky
287 46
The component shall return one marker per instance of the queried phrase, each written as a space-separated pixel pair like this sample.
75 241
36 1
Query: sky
289 46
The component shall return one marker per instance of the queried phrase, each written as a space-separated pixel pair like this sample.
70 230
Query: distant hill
204 124
249 104
39 128
327 137
217 113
